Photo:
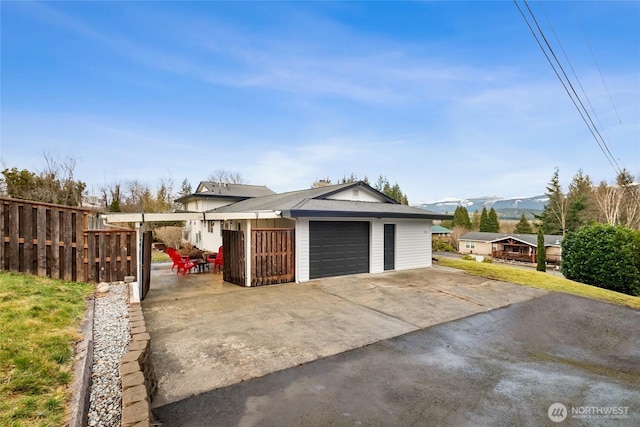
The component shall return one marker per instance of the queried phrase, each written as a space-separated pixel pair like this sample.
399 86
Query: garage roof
314 202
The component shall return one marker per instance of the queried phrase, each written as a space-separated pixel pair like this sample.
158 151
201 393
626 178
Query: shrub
468 258
605 256
171 236
442 246
488 260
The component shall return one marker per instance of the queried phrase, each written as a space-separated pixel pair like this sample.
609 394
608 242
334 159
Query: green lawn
538 279
39 324
158 256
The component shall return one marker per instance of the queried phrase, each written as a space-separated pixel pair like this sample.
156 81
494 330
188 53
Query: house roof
212 189
314 202
438 229
530 239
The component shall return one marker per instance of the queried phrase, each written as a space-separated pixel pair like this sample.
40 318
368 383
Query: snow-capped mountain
511 208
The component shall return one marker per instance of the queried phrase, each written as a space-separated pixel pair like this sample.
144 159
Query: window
470 245
210 226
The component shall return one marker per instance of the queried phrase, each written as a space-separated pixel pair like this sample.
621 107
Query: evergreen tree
484 220
581 209
523 226
461 218
553 219
185 188
475 221
542 252
493 222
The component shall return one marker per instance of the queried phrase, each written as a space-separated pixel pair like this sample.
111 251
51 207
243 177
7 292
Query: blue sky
448 99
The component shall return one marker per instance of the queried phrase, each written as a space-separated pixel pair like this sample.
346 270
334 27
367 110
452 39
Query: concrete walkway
208 334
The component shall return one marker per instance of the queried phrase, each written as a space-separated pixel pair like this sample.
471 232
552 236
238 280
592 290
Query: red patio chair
219 261
183 263
175 257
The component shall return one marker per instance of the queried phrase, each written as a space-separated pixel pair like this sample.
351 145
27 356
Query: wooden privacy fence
53 240
273 256
233 269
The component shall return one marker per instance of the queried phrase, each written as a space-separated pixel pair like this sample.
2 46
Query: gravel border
111 338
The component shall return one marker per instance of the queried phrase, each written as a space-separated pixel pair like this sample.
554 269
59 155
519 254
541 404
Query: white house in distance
333 230
209 195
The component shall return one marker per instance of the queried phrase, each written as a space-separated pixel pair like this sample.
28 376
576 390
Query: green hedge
605 256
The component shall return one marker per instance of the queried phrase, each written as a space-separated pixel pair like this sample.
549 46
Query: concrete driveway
506 367
208 334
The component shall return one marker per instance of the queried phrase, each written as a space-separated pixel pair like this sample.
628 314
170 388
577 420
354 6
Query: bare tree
229 177
609 200
619 203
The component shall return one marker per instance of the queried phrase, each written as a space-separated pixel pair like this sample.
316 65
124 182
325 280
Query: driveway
505 367
208 334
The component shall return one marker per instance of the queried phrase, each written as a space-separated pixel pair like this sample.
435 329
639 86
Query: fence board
67 240
41 234
55 243
3 232
14 242
78 240
113 257
27 238
102 257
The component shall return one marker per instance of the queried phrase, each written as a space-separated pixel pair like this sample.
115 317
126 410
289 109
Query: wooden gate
273 256
233 257
147 239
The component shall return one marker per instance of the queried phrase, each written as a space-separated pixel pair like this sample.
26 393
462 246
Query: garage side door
337 248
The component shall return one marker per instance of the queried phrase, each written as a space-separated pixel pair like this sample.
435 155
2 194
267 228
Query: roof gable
322 201
211 189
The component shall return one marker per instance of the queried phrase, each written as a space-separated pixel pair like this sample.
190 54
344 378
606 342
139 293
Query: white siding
413 244
302 250
358 194
376 241
412 250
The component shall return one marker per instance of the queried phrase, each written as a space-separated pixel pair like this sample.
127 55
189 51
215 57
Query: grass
39 324
159 256
541 280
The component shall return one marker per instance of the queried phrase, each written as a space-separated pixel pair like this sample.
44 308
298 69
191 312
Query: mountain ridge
506 208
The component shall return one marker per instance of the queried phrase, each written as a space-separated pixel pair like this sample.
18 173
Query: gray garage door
337 248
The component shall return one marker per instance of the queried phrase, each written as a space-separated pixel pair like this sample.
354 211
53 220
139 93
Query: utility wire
575 75
584 33
616 167
592 128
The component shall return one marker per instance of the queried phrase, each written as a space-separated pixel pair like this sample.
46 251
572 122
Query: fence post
247 254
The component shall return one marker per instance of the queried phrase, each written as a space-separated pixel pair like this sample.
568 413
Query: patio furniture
183 263
218 261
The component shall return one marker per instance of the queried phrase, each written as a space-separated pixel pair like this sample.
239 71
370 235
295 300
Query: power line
573 71
575 98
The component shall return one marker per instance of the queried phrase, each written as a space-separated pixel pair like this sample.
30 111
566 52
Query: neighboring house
334 230
441 233
515 247
208 196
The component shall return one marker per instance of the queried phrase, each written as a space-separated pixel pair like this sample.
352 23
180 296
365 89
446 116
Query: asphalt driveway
207 334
